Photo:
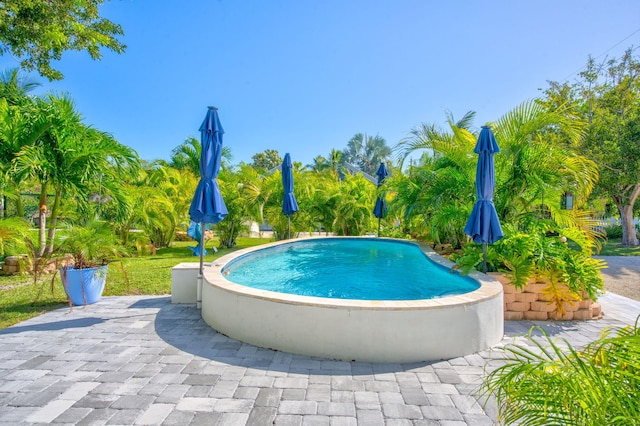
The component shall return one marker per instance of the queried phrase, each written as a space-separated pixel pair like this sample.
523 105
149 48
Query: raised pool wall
372 331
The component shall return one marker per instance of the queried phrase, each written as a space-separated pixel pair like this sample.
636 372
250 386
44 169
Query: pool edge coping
489 287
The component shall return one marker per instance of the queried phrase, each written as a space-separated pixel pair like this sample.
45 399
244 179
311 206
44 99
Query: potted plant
92 247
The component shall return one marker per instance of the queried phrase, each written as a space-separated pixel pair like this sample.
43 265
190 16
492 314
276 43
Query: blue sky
304 76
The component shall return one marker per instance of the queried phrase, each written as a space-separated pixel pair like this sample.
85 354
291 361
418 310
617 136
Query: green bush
544 384
613 231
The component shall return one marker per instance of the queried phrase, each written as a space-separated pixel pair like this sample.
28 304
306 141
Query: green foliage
39 31
606 97
92 245
538 251
545 383
12 236
613 231
366 152
267 160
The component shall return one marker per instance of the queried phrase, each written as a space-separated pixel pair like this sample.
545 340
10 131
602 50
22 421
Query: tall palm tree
366 152
67 158
20 126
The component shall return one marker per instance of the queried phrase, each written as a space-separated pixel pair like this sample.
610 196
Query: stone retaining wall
531 303
21 263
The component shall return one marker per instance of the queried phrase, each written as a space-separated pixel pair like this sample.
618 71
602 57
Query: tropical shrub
613 231
542 251
543 383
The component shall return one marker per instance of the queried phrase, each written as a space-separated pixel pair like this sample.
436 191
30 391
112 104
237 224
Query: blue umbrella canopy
483 225
207 205
381 204
289 204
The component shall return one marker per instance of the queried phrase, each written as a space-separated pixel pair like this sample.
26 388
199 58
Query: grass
21 299
613 247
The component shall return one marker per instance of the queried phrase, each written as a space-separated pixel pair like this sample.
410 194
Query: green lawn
21 299
614 248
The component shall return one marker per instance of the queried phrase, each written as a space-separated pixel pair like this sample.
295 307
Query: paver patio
142 360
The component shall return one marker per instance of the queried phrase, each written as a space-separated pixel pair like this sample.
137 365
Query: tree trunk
42 225
53 222
629 237
19 206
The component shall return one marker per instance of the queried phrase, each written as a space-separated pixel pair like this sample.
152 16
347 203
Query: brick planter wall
531 304
12 264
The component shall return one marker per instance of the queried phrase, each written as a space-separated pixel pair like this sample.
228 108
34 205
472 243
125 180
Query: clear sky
304 76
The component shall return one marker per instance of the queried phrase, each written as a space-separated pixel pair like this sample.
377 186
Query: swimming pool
369 269
349 329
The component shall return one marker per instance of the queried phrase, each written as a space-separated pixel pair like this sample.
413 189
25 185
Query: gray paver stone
297 407
246 393
414 396
206 419
268 397
342 396
288 420
178 418
155 414
172 394
196 404
401 411
316 421
233 405
124 417
72 415
440 400
39 399
343 421
438 412
99 416
294 394
260 416
448 375
140 402
369 418
96 400
224 389
337 409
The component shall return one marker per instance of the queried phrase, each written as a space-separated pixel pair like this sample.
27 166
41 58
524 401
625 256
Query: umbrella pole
484 258
378 227
201 270
288 227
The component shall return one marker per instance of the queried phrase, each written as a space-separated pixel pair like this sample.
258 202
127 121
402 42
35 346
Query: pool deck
141 360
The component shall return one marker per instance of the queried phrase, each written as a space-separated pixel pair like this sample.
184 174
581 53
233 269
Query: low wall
531 303
183 282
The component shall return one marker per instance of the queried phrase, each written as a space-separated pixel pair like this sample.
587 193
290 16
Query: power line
605 52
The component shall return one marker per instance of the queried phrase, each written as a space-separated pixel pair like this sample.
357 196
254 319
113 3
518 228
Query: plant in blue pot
93 246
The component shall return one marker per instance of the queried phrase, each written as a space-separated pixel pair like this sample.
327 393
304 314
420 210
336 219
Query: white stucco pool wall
372 331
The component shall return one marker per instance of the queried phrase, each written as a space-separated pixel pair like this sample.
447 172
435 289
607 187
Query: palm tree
21 126
186 156
366 152
320 164
67 158
15 86
528 169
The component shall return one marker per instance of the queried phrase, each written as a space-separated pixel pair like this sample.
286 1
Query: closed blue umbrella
380 208
483 225
289 204
207 205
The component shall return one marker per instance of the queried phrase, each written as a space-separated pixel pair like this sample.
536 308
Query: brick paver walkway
142 360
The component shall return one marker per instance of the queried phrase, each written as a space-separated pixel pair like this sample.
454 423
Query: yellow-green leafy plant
546 382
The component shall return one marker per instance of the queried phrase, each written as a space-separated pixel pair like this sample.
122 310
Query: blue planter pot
84 286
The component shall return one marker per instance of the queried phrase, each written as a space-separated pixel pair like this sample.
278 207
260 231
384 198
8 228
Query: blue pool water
343 268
